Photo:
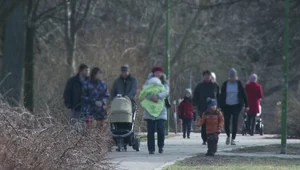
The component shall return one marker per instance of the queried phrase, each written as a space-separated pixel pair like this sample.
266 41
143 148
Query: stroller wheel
261 131
136 145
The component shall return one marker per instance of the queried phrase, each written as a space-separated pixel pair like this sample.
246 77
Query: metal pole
167 63
285 79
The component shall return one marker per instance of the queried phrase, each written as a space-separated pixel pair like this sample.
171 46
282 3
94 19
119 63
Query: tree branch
44 15
86 11
277 88
185 37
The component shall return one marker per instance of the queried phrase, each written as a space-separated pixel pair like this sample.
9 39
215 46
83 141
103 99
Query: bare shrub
293 118
30 142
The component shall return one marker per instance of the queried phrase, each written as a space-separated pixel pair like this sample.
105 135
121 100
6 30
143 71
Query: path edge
173 162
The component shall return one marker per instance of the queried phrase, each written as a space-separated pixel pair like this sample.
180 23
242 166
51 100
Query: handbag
167 103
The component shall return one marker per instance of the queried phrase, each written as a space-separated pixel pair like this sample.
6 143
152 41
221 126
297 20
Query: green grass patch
202 162
143 138
293 149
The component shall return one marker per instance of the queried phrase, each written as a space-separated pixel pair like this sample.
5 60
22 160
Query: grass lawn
202 162
293 149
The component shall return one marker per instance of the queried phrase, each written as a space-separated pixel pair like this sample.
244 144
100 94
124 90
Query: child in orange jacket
214 120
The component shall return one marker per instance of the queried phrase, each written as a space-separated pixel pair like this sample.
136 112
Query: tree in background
13 51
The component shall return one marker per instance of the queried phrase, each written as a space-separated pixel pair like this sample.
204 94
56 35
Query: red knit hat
157 68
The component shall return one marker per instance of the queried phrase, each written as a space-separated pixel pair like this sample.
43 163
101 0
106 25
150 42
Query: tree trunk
70 35
71 45
29 70
29 59
13 55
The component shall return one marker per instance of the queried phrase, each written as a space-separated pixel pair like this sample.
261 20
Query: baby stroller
259 126
122 124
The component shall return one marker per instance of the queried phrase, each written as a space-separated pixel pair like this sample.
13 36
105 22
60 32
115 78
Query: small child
186 113
213 118
152 87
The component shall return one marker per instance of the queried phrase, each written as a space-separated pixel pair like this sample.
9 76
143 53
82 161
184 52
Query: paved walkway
179 148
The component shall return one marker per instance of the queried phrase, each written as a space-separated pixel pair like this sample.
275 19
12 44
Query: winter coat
254 94
162 96
125 87
186 109
72 93
94 91
241 95
213 120
203 91
154 109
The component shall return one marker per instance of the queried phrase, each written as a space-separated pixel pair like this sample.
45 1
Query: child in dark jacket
213 118
186 113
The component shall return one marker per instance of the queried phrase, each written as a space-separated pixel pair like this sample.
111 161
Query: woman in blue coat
94 98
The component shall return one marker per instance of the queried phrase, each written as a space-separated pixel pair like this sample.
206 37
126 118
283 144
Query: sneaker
183 136
227 141
233 142
151 152
189 137
161 151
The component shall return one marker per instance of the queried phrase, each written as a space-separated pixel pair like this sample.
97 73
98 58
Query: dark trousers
151 126
186 127
212 143
231 112
251 123
203 133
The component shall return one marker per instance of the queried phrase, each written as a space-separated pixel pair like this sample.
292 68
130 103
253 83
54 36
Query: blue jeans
153 125
186 127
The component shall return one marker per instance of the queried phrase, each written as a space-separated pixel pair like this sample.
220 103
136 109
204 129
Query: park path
178 148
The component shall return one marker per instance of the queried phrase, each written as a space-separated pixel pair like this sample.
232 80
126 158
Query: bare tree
14 51
76 12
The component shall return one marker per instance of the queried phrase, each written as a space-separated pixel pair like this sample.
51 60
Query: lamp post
285 78
167 62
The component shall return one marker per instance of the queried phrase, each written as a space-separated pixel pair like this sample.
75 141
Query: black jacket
125 87
203 91
72 93
241 94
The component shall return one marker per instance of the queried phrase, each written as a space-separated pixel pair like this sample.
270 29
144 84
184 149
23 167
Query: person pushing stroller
186 113
213 118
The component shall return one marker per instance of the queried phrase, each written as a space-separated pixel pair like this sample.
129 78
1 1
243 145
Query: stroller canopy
121 110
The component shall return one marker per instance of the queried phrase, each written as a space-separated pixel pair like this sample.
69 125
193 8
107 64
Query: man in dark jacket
73 90
204 90
125 85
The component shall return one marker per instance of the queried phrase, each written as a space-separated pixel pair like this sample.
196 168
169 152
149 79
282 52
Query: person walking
232 99
186 113
254 95
213 118
125 85
204 90
94 99
73 92
157 122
